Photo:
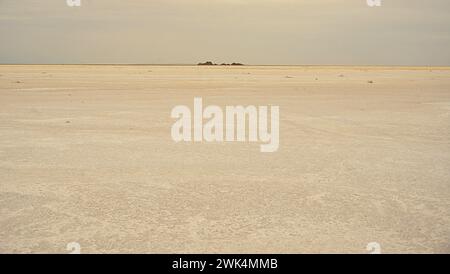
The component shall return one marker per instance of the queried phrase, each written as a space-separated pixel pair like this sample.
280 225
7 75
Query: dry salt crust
86 156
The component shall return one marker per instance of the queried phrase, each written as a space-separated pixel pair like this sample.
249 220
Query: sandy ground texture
86 156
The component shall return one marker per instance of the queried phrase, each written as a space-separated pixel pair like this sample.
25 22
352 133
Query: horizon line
219 65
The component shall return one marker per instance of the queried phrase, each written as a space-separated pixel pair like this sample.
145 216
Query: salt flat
86 156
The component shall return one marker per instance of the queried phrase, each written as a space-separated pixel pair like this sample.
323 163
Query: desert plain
86 156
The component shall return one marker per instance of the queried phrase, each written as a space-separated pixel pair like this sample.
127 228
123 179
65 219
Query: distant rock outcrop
209 63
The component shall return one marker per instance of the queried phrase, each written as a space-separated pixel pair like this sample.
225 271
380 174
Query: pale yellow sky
347 32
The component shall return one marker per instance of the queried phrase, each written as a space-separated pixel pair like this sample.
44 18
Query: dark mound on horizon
209 63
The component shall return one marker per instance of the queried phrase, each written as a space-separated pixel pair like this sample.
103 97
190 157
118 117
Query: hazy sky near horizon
346 32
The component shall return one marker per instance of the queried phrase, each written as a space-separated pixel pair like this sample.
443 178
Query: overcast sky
347 32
